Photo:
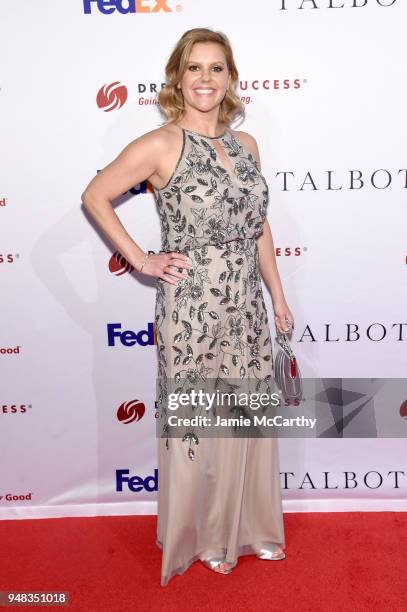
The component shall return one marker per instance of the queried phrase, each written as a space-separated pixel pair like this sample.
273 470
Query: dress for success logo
130 411
111 96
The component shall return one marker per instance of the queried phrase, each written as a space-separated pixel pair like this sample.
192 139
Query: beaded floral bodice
206 203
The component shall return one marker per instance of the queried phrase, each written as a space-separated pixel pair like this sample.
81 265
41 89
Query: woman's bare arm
135 163
140 160
267 258
268 263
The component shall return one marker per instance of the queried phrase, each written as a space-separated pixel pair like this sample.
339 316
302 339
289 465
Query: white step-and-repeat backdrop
324 86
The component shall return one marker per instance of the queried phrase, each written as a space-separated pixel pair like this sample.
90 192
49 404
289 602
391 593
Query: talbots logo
131 411
107 7
332 4
111 96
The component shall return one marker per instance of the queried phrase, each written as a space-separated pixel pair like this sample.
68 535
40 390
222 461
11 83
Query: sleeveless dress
216 496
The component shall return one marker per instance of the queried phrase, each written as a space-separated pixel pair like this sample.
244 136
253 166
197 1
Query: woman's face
206 77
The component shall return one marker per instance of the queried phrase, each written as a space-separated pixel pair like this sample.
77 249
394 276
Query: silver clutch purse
286 371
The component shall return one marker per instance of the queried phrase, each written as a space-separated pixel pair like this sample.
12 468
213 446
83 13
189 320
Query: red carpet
335 562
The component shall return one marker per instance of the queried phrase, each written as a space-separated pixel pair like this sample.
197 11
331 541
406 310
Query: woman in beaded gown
218 497
221 498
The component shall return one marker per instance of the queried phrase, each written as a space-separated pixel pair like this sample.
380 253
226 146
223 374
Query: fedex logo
107 7
142 187
136 483
129 337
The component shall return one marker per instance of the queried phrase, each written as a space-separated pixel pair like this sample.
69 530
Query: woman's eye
215 68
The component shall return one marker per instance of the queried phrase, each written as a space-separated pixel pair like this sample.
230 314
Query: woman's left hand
282 316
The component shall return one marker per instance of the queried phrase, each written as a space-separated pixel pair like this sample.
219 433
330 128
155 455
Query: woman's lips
204 91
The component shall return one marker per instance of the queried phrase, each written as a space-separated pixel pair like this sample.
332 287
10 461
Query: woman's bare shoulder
249 142
245 137
160 139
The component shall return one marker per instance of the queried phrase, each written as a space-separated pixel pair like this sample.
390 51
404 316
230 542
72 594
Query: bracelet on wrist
146 256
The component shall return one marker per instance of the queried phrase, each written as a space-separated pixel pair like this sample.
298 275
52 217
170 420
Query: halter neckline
204 135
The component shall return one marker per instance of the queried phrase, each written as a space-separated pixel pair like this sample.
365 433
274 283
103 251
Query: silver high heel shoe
271 553
217 564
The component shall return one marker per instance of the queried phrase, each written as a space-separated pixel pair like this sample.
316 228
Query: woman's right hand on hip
168 266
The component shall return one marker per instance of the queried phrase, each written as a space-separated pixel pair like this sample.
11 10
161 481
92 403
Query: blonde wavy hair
170 98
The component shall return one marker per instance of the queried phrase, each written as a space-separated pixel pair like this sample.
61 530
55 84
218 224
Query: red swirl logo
131 411
111 96
119 265
403 409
